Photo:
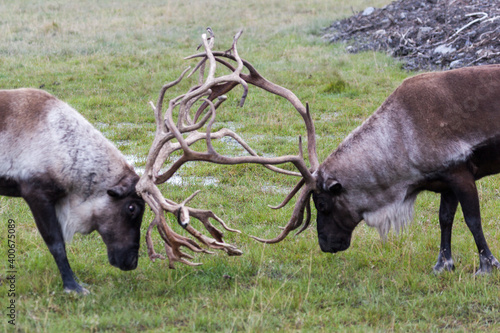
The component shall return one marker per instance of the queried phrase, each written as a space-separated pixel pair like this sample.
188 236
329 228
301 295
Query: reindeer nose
332 244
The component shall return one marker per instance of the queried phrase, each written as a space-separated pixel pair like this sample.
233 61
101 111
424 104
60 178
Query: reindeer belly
485 159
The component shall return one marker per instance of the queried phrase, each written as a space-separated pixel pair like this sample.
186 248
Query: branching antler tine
175 131
204 105
170 237
208 138
213 231
311 140
296 219
195 126
282 171
236 37
177 256
205 215
210 56
183 122
191 197
217 91
277 239
308 218
193 95
225 63
203 121
171 170
220 159
213 243
239 61
159 103
253 153
204 239
301 151
198 66
149 243
171 244
183 212
210 81
220 100
301 165
245 93
290 195
201 74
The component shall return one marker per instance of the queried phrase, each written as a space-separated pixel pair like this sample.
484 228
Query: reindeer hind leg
463 186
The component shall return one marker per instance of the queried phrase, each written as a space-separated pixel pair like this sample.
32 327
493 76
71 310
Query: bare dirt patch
426 34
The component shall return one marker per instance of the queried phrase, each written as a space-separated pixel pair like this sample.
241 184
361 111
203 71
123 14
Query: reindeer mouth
333 245
126 260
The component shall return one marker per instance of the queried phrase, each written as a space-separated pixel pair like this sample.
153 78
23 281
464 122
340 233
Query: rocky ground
426 34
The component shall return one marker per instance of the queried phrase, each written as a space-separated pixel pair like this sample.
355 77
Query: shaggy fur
64 145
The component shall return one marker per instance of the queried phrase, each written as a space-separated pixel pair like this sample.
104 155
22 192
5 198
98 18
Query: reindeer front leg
42 206
447 210
464 187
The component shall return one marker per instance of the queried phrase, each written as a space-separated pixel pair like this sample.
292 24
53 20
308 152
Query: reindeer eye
321 206
131 208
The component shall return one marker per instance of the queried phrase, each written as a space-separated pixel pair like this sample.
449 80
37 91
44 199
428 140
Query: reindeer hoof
78 290
443 264
487 264
439 268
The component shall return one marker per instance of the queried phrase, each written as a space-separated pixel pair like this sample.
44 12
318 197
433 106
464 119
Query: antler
309 177
168 130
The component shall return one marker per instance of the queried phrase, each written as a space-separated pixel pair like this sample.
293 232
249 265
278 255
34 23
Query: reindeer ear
333 186
124 187
117 192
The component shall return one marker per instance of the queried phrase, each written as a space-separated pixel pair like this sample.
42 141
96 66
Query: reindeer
438 132
72 178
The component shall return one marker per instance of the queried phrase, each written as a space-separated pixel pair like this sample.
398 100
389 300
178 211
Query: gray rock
456 64
368 11
444 49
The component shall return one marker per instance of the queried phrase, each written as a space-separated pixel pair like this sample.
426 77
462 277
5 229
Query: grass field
108 59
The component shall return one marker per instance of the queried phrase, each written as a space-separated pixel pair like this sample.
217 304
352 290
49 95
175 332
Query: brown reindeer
438 132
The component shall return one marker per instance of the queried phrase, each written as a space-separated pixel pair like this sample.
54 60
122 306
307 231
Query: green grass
108 59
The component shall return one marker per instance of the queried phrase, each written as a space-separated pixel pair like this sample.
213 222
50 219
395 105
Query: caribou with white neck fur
437 132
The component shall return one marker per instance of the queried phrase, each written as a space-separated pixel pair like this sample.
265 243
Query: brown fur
436 131
23 101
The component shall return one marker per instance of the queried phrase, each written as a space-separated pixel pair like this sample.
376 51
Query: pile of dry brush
426 34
